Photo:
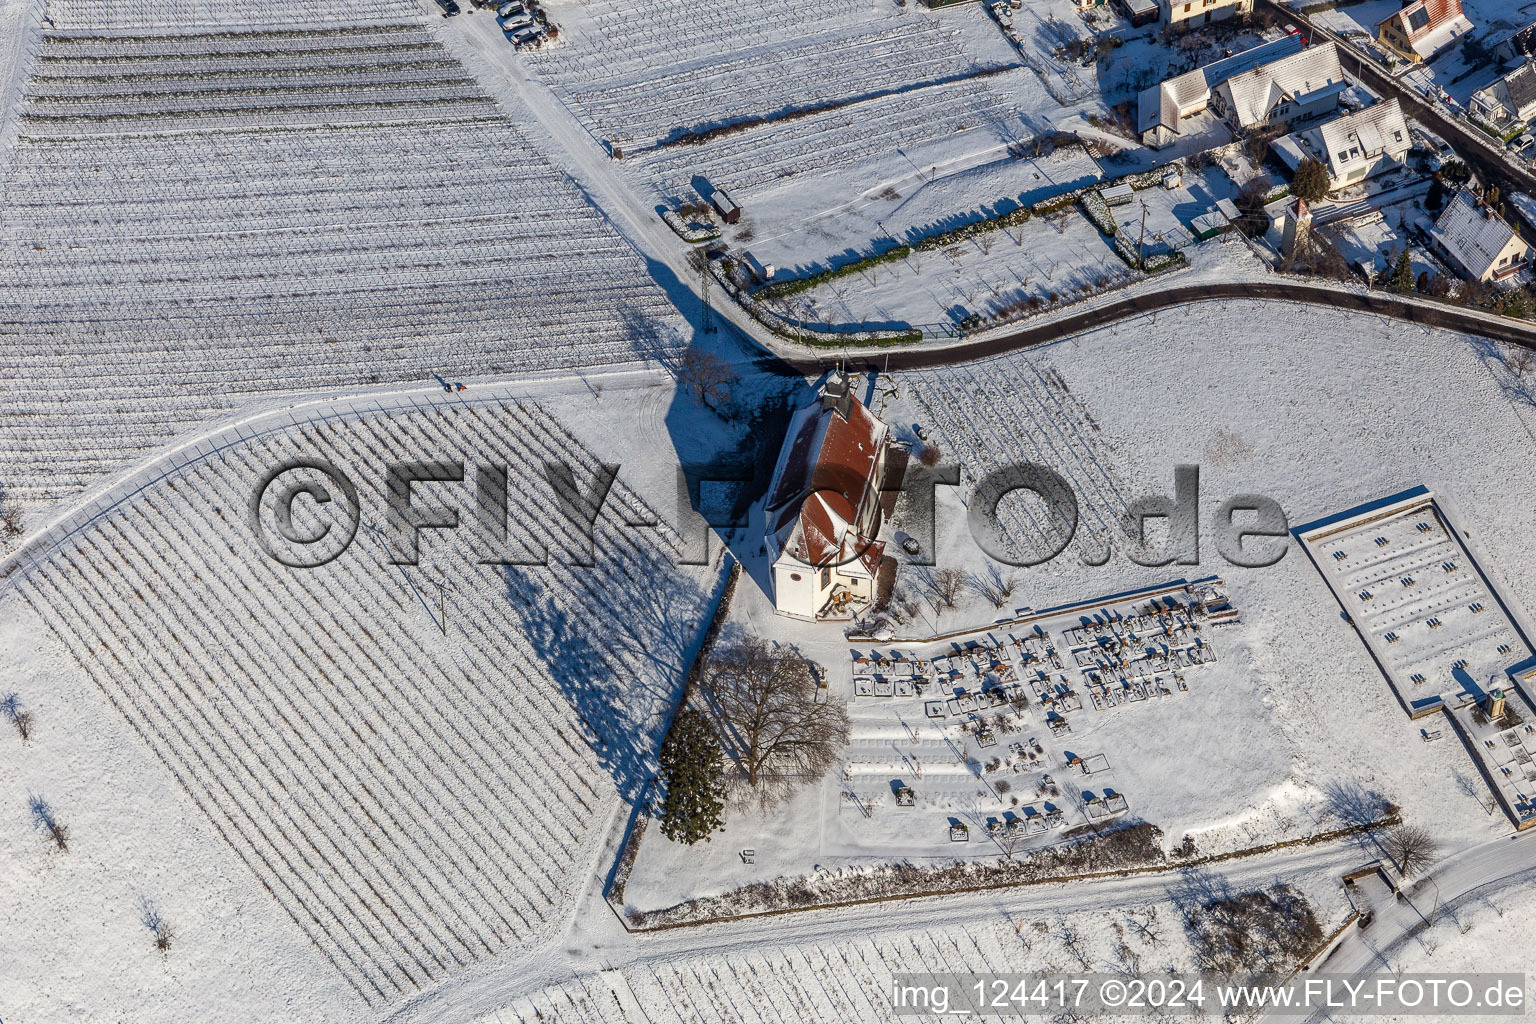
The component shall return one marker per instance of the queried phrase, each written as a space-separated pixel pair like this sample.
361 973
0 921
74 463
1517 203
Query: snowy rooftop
1163 105
1299 76
1472 233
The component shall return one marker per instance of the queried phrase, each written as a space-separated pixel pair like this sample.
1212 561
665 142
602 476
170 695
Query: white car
508 9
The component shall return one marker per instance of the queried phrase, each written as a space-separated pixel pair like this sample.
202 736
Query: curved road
1400 307
1365 951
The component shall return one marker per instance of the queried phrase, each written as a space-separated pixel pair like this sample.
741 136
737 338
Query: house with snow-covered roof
1422 29
1477 241
1161 108
1191 13
1353 147
1301 85
823 507
1509 100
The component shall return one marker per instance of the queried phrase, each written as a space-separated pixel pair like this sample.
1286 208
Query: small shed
1118 195
1141 12
729 211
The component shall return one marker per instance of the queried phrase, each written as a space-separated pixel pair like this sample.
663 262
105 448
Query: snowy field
193 221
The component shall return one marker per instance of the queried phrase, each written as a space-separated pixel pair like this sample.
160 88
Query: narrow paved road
1100 313
1370 950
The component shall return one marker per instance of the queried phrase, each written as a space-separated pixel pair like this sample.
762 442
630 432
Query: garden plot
1376 239
414 761
636 76
1048 260
346 224
1014 411
798 234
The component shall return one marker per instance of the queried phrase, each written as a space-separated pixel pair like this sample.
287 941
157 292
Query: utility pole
709 320
1142 241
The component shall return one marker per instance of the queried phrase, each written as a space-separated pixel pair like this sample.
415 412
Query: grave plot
1437 629
1125 658
985 733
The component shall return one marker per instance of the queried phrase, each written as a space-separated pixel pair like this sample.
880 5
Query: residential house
1423 29
1190 13
1299 86
1353 147
1162 107
1477 241
1140 12
823 507
1509 101
1515 45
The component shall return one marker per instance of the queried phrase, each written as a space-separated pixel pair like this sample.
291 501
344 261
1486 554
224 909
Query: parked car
506 10
527 36
1520 144
450 8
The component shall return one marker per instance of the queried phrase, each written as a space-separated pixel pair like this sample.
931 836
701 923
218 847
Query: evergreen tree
1516 305
692 771
1311 181
1436 198
1402 275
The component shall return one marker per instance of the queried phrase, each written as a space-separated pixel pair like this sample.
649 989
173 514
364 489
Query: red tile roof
825 477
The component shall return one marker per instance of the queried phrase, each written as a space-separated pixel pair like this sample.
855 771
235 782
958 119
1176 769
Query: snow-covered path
597 941
1371 950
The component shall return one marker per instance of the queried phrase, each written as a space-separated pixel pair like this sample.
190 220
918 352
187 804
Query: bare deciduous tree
1521 361
10 707
1411 847
771 722
707 377
43 817
944 586
159 927
996 585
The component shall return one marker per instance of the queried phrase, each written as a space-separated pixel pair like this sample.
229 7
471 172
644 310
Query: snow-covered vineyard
194 218
417 781
637 76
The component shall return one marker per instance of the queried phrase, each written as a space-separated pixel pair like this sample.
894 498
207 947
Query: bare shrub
10 519
995 585
159 927
930 454
1262 932
1521 361
770 720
